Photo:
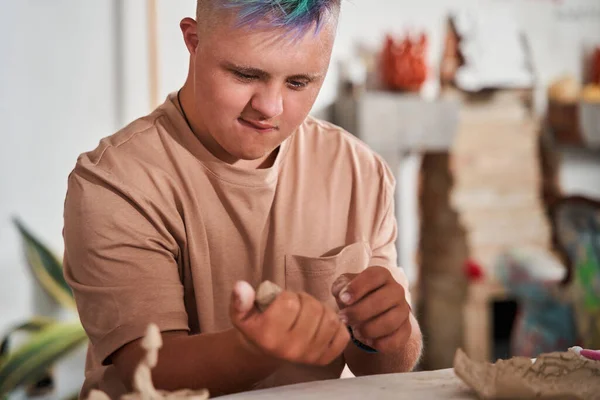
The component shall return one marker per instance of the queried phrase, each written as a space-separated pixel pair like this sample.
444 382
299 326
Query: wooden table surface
440 384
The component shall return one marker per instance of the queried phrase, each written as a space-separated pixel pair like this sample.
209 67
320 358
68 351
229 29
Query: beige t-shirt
157 230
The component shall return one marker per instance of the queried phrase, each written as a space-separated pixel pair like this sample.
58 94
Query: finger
242 300
341 282
283 312
267 329
307 324
364 283
336 346
374 304
384 324
395 340
328 329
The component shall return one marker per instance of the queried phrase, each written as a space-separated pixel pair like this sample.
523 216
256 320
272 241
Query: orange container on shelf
403 63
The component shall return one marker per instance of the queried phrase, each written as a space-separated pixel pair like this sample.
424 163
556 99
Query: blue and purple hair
292 15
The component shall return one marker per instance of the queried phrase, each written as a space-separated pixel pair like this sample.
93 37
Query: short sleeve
383 242
120 261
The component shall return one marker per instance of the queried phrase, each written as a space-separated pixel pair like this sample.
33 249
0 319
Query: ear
190 34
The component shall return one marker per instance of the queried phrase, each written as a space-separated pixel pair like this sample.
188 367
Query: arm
294 328
403 360
380 316
222 363
380 311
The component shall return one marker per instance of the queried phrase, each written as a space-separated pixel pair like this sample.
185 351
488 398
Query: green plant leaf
46 268
33 325
31 360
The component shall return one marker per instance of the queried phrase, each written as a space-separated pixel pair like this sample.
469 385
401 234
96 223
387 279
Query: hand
296 327
374 305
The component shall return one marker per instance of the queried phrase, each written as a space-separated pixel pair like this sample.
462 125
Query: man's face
253 87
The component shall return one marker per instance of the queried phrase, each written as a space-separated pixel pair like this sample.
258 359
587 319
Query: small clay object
559 375
142 384
266 294
152 343
142 378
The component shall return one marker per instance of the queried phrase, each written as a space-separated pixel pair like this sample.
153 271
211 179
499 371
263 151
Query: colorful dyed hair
292 15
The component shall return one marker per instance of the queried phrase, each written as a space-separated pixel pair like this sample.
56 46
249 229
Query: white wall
57 99
57 88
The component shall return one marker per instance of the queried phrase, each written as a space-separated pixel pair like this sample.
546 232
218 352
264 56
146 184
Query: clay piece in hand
266 294
551 376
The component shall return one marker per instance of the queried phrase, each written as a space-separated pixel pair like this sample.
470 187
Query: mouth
258 126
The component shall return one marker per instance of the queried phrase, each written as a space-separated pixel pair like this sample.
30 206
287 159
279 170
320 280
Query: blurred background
488 112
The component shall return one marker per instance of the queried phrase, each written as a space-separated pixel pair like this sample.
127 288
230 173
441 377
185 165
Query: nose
268 101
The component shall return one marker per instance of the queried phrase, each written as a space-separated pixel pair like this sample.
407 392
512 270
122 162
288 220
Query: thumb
340 283
242 301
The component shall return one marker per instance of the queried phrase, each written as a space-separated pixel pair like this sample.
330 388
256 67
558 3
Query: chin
251 152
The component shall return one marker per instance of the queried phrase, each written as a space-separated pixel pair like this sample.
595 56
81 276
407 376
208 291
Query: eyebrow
264 75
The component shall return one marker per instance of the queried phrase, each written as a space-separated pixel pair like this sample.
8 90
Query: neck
187 103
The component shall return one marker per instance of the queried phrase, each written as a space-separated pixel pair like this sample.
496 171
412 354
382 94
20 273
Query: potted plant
48 340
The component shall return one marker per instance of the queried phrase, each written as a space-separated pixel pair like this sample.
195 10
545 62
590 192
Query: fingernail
345 297
343 318
339 284
243 296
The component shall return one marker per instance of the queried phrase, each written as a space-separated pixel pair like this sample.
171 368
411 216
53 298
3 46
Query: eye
244 77
297 85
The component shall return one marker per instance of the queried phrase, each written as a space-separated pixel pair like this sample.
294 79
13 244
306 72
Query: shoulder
135 163
132 144
140 154
326 144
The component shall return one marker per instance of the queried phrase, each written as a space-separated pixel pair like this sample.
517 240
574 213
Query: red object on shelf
403 63
473 271
596 66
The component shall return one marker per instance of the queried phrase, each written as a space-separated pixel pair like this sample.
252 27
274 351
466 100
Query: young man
176 218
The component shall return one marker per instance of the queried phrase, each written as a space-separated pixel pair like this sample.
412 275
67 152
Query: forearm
218 362
362 363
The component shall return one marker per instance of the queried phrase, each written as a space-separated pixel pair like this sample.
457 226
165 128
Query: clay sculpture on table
559 375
